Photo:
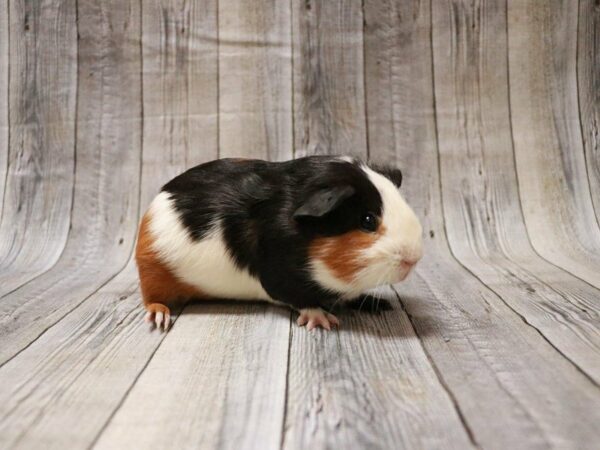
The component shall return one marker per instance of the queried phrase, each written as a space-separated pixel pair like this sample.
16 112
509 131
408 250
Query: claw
302 320
334 320
159 320
159 316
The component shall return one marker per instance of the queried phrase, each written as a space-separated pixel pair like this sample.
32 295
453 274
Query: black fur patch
392 173
254 201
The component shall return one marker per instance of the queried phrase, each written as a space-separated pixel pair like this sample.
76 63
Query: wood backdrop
492 109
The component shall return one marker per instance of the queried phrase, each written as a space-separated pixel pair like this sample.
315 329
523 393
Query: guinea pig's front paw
315 317
158 315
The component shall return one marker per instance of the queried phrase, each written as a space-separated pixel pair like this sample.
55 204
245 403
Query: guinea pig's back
184 230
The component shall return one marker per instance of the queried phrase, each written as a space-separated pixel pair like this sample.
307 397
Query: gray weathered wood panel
105 194
351 389
466 329
479 184
255 79
489 107
588 84
4 59
237 360
329 108
41 100
547 135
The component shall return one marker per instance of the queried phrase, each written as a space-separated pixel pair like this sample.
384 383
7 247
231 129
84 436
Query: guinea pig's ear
392 173
324 201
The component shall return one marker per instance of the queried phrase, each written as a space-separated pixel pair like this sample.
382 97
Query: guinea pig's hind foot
315 317
158 315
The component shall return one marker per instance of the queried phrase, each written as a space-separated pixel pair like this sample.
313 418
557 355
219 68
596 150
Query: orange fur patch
343 254
157 281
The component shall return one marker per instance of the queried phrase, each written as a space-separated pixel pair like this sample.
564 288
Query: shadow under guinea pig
379 316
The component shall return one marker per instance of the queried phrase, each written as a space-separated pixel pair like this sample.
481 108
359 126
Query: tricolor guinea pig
306 233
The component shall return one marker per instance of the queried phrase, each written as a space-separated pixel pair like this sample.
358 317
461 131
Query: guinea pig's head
362 233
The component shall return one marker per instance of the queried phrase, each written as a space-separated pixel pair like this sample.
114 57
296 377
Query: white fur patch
401 241
325 277
204 264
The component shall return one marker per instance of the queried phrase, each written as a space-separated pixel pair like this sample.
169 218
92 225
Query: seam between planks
7 110
292 80
364 70
287 384
140 171
39 414
446 388
438 375
218 44
87 297
585 159
128 391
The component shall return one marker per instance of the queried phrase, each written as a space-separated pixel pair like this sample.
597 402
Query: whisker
333 306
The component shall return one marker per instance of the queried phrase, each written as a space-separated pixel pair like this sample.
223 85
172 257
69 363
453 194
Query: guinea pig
306 233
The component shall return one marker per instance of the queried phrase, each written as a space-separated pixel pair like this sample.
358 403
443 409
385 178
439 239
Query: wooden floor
492 109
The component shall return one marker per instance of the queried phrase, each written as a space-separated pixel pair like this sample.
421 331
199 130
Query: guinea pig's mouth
405 269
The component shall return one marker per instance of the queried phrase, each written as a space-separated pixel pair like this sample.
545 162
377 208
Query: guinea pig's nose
408 263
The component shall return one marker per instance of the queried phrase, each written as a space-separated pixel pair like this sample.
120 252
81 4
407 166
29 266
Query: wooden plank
397 33
179 89
103 344
500 372
368 385
106 189
39 185
4 130
255 79
219 376
81 367
233 380
485 225
548 146
588 87
329 96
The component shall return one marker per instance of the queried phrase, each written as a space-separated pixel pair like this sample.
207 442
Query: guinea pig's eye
368 222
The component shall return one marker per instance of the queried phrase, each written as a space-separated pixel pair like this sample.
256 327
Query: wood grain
484 221
490 108
80 368
547 136
329 98
481 350
106 195
117 302
4 126
42 94
231 384
216 382
368 385
588 88
352 388
255 79
179 89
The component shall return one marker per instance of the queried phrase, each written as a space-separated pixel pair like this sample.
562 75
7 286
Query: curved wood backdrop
492 109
